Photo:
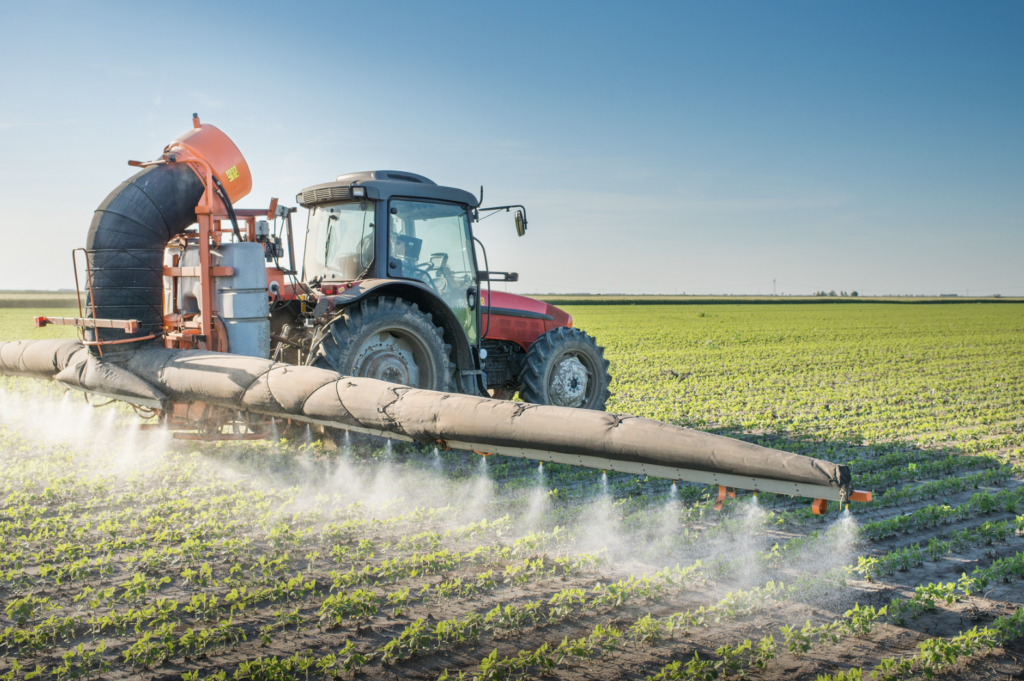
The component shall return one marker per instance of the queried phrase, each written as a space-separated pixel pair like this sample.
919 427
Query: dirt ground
137 505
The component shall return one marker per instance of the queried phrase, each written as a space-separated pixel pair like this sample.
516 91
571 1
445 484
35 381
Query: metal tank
240 301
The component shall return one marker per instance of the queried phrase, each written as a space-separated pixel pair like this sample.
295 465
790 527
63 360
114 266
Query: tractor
390 286
391 289
182 321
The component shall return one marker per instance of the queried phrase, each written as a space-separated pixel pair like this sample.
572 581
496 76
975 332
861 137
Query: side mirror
520 223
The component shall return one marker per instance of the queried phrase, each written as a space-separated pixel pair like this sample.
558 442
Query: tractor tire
388 339
566 368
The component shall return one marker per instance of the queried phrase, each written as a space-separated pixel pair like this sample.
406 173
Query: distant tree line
852 294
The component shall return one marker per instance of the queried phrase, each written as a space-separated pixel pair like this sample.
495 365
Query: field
38 299
129 554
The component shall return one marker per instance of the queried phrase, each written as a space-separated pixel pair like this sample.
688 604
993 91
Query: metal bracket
723 491
126 325
197 271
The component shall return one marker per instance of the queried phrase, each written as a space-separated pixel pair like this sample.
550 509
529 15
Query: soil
628 520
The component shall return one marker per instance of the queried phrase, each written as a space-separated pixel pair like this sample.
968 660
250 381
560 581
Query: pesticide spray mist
635 533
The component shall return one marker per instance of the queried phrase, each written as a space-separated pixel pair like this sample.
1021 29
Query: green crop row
840 375
913 556
936 488
336 608
420 636
544 658
749 656
938 653
860 622
733 659
922 470
982 502
649 629
67 561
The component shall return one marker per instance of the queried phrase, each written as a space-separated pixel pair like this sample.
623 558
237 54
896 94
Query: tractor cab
394 226
391 289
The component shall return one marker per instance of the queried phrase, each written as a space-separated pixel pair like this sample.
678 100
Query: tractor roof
381 185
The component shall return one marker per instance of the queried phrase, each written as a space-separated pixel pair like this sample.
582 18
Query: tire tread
539 360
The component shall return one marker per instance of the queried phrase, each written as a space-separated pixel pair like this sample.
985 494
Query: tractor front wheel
388 339
566 368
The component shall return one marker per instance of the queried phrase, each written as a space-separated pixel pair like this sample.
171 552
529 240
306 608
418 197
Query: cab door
431 242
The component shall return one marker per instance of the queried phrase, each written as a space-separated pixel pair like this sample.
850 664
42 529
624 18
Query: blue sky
661 148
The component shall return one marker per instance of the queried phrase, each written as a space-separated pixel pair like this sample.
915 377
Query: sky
682 147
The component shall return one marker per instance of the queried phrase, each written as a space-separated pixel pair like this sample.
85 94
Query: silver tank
240 300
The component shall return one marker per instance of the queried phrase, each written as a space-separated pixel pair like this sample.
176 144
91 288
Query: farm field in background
16 323
643 299
37 299
128 554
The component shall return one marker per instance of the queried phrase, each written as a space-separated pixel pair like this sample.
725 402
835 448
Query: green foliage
82 663
860 621
178 561
871 372
336 608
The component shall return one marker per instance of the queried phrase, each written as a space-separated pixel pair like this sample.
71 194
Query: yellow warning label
232 173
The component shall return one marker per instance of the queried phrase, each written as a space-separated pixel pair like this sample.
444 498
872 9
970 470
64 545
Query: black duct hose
126 244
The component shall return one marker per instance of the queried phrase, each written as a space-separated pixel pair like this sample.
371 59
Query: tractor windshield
431 242
339 241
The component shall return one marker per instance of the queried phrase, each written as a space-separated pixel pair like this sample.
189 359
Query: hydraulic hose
227 204
481 382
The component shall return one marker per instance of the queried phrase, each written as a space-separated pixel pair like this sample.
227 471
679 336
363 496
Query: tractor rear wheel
566 367
388 339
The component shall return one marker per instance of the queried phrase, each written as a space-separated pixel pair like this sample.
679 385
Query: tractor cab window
339 241
431 242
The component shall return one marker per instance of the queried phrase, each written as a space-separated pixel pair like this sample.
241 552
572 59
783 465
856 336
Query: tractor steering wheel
439 282
419 272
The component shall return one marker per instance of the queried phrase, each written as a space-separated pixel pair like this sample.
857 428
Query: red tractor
391 289
390 286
